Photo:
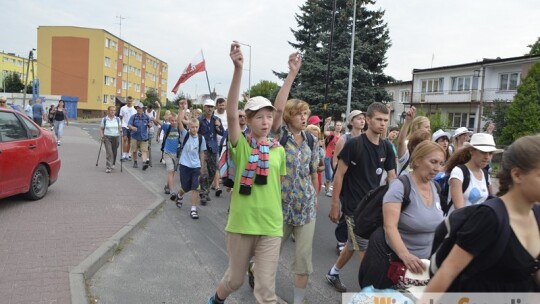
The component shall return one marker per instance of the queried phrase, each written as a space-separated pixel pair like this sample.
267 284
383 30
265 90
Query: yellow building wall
91 66
12 63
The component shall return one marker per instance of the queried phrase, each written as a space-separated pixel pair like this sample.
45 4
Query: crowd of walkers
276 158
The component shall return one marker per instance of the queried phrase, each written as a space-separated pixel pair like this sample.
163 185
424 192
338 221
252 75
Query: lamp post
214 94
249 77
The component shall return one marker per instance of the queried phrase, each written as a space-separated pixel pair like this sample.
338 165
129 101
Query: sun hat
440 133
483 142
314 120
3 98
462 130
256 103
352 115
209 103
138 105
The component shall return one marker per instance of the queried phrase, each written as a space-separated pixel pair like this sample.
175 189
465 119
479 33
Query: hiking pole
99 153
121 148
149 149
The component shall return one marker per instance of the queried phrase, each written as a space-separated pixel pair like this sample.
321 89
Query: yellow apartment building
97 67
11 63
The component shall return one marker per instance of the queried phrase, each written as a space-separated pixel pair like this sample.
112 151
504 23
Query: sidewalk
42 241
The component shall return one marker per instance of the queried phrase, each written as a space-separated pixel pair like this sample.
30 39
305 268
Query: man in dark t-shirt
360 168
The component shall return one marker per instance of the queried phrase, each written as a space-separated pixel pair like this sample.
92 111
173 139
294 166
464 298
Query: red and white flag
196 65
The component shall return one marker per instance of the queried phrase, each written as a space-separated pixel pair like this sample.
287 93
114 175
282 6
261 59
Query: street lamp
249 78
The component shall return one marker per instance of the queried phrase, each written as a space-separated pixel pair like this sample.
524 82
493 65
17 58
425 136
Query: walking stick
99 153
121 148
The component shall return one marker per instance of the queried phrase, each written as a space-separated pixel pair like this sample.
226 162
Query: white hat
139 104
210 103
258 102
440 133
483 142
462 130
3 98
352 115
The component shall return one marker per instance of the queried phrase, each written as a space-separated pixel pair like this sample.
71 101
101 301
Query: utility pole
325 106
30 61
351 66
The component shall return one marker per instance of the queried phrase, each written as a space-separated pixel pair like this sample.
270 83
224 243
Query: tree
522 115
13 83
151 97
264 88
312 40
535 48
495 112
438 121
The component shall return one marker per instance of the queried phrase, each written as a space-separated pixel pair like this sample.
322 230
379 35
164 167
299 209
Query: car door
17 154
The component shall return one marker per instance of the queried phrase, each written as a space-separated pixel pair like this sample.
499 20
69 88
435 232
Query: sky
424 33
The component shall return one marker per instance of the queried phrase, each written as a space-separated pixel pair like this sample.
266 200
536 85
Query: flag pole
206 72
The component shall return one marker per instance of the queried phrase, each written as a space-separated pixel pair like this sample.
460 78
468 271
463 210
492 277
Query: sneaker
58 143
167 190
135 164
204 200
194 214
331 188
251 274
129 158
218 192
335 282
146 164
211 300
108 170
179 198
113 167
124 159
329 193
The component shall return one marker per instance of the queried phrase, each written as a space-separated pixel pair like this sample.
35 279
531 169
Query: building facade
400 93
97 67
11 63
459 92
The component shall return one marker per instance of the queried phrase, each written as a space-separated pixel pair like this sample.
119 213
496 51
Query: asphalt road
175 259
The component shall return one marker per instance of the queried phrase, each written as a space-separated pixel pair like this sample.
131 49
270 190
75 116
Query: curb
89 266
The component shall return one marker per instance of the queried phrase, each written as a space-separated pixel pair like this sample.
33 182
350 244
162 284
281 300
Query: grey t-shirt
417 222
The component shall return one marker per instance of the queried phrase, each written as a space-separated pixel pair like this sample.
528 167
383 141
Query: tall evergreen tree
522 115
312 40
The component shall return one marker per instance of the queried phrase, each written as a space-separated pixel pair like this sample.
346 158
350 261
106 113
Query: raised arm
295 62
404 132
234 94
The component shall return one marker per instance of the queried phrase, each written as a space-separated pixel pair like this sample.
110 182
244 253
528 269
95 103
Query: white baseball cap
256 103
209 103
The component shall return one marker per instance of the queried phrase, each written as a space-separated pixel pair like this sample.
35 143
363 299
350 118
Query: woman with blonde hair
409 224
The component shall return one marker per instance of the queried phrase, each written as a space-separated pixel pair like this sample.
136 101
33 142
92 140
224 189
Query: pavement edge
89 266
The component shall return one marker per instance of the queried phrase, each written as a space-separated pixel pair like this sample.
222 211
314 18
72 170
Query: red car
29 160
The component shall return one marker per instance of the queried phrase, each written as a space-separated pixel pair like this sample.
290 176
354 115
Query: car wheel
39 184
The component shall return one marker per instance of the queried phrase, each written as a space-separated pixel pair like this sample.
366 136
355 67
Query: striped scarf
256 170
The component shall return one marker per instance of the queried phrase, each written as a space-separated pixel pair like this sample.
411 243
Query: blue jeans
59 128
328 169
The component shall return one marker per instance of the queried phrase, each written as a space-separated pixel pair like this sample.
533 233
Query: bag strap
466 177
503 232
406 191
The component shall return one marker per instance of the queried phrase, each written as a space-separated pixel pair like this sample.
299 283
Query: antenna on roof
432 58
120 23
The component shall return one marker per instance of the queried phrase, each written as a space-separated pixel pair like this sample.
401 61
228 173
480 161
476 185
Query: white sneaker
329 193
330 188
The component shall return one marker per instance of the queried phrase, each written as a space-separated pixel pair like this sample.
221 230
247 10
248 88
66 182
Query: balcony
449 97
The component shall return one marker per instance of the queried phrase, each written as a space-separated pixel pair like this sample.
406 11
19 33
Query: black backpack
285 136
368 214
445 186
446 236
181 146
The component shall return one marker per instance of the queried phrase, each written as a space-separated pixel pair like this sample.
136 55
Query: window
112 98
107 62
432 85
124 85
391 95
107 42
105 98
125 68
509 81
137 87
461 83
11 128
108 80
461 120
32 130
405 96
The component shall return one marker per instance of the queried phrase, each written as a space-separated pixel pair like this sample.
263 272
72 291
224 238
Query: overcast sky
423 33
